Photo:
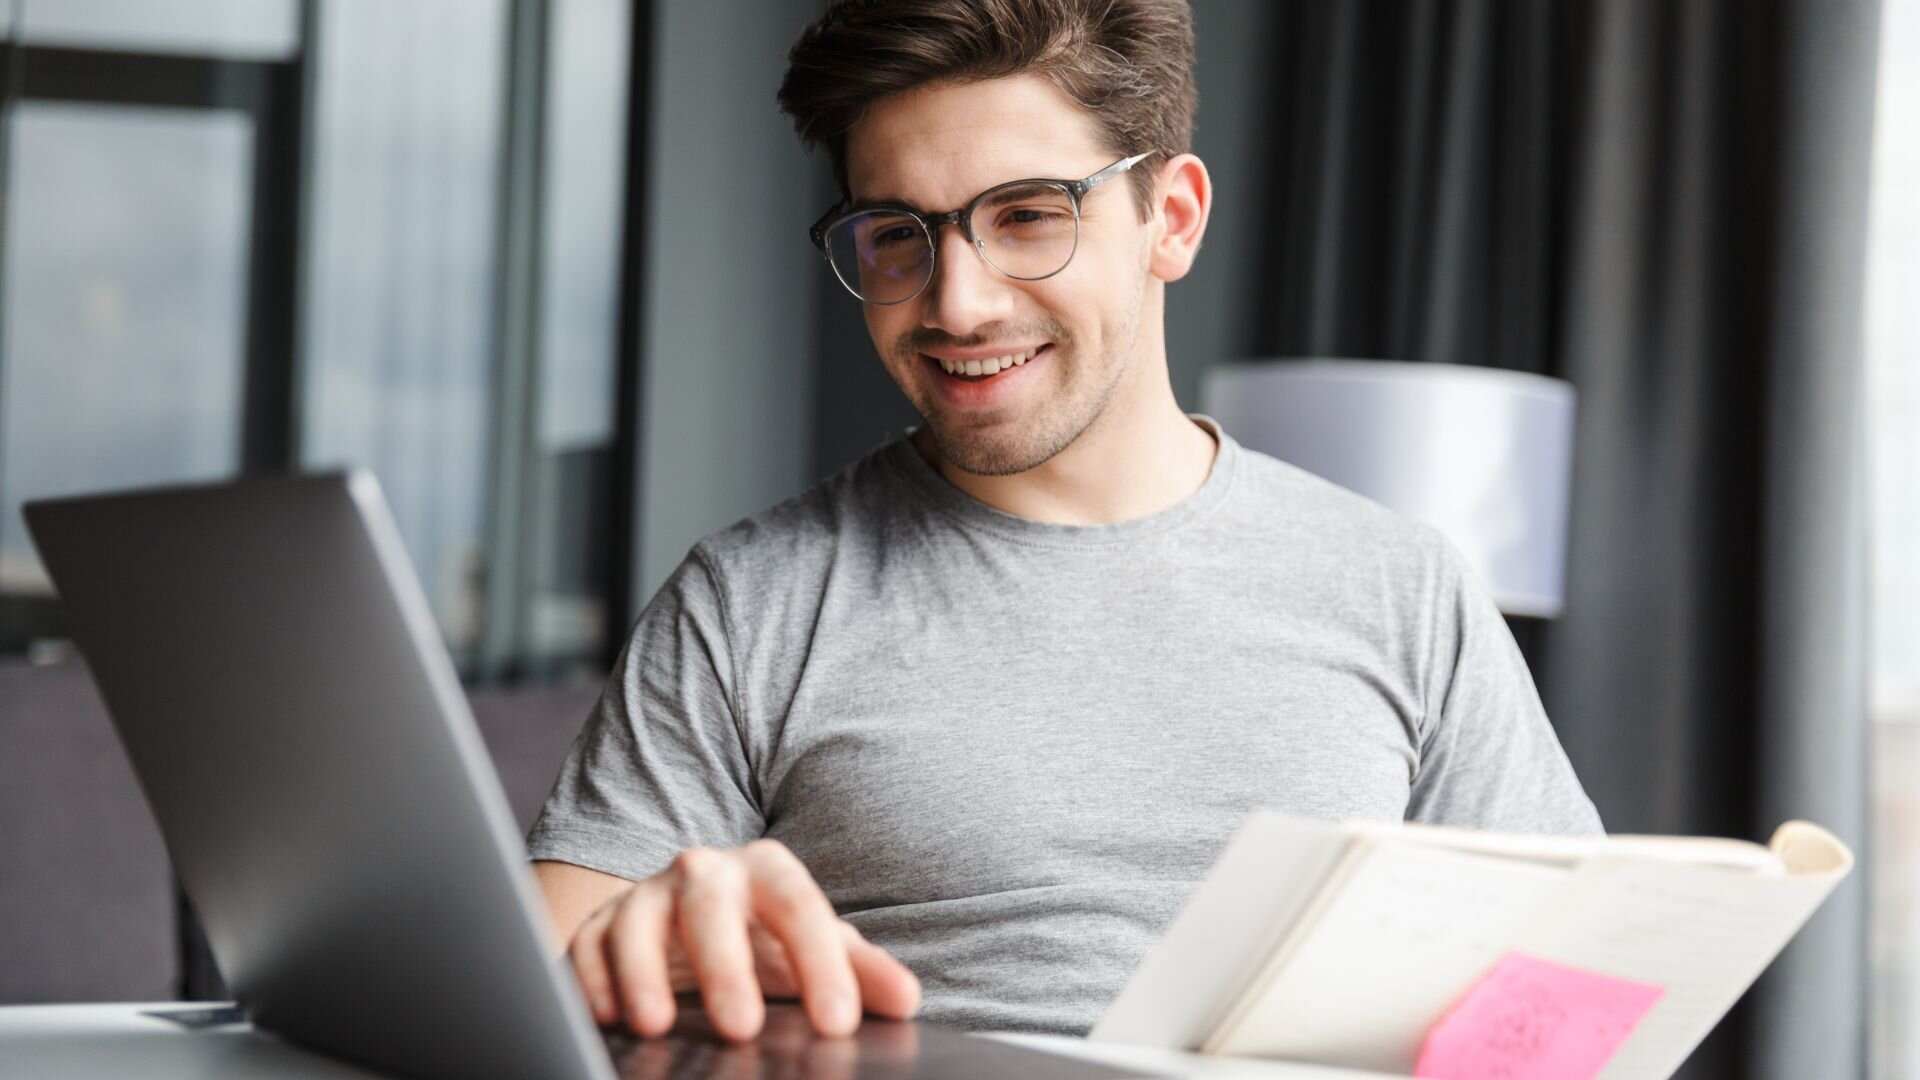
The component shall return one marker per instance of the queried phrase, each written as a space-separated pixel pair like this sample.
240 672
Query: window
125 303
141 325
374 233
568 614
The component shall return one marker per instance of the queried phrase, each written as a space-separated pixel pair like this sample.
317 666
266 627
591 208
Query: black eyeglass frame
963 217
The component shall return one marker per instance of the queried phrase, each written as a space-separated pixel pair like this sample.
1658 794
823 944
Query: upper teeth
993 365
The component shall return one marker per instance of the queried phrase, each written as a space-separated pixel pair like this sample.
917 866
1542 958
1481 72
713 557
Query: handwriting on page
1533 1020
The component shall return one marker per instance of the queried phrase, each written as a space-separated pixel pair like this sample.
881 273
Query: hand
741 924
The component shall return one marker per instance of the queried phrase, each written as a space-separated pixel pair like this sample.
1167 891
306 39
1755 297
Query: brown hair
1129 63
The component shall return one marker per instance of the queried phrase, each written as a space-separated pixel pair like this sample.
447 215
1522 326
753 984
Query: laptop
274 669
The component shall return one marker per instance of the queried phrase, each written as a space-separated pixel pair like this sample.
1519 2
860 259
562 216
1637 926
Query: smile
992 365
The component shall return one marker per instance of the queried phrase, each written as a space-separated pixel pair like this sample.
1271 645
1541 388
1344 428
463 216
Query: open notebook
1346 944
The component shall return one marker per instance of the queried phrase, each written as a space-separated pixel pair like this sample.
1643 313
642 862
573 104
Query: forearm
572 893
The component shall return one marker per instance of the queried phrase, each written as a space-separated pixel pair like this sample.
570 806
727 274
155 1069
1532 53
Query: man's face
935 149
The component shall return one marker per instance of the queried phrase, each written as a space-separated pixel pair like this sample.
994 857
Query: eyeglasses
1025 229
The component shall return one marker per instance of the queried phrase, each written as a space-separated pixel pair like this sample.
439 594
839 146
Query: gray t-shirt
1007 749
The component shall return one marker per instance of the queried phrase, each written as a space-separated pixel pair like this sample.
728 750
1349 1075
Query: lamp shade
1482 454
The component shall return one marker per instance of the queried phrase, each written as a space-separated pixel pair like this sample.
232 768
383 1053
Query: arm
573 893
650 857
1489 758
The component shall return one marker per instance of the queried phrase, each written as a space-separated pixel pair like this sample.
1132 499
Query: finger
711 910
771 965
791 905
637 948
887 987
589 958
679 968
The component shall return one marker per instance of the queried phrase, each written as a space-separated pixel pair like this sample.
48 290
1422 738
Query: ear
1184 194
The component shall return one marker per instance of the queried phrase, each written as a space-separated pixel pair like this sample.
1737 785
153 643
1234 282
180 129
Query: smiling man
970 718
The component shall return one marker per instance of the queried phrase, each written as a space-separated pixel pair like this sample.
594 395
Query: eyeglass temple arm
1109 173
817 232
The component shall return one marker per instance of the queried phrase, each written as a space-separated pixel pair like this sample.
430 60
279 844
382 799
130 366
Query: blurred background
541 265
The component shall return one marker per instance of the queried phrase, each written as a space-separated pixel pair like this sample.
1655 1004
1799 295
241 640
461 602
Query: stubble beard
1005 449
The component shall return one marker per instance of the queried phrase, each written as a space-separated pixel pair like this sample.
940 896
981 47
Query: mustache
923 339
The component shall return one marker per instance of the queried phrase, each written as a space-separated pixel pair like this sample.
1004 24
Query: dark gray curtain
1662 201
1420 162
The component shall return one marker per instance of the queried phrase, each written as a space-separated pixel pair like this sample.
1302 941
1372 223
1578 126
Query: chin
985 454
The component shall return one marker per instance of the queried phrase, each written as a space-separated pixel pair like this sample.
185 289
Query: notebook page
1704 933
1232 920
1411 928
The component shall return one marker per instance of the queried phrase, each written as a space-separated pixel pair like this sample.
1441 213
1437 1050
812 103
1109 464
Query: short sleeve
661 764
1489 759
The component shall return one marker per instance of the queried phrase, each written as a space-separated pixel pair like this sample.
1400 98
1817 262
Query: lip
958 394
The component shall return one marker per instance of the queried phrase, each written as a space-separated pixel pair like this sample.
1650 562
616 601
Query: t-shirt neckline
971 512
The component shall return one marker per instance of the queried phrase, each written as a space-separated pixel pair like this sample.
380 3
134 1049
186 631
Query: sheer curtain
1893 379
401 273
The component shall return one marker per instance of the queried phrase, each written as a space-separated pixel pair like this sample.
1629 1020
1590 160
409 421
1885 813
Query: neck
1140 456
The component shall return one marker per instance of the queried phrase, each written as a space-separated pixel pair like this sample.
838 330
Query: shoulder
1308 518
800 538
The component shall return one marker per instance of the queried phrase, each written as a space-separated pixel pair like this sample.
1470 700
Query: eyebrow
883 201
1018 191
887 202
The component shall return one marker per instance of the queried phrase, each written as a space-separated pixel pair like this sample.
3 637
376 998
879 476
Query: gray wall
730 281
1210 314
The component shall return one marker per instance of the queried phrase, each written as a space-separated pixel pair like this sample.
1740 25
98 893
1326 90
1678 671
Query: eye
895 236
1030 216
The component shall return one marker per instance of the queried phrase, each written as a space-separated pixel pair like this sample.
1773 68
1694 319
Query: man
975 714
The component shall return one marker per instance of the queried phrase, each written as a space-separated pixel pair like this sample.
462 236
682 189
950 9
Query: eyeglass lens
1025 231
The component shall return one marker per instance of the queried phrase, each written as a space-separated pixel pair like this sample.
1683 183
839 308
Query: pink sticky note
1533 1020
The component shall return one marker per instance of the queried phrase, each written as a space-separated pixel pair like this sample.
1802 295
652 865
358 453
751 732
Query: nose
964 293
